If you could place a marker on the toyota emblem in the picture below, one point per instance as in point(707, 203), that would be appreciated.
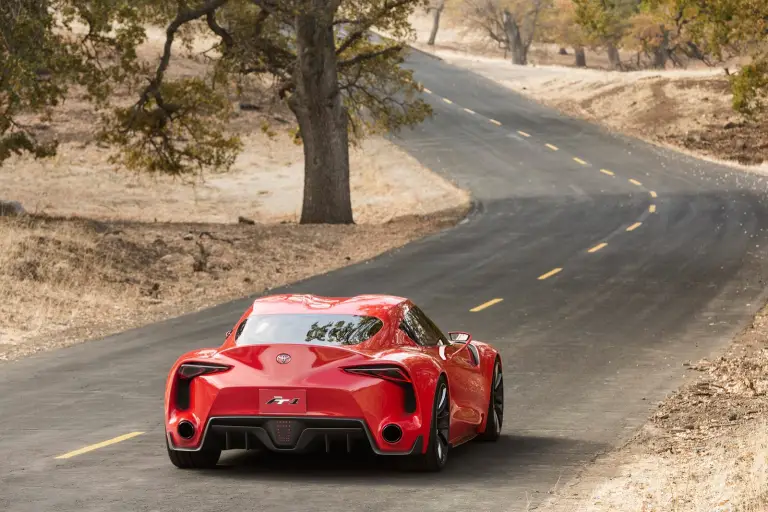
point(283, 358)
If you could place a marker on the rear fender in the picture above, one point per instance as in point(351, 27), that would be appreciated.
point(424, 372)
point(204, 354)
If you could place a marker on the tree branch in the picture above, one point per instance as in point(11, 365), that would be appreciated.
point(217, 29)
point(362, 57)
point(184, 15)
point(366, 24)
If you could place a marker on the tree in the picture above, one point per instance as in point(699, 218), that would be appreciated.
point(718, 29)
point(339, 83)
point(436, 9)
point(559, 26)
point(604, 23)
point(512, 24)
point(38, 64)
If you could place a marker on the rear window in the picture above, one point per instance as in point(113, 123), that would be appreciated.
point(320, 329)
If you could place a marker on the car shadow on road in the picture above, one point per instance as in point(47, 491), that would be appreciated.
point(511, 455)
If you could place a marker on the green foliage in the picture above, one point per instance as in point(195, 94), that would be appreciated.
point(604, 21)
point(185, 133)
point(750, 89)
point(723, 29)
point(48, 46)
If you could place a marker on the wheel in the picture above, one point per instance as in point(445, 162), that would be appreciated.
point(436, 456)
point(204, 459)
point(495, 406)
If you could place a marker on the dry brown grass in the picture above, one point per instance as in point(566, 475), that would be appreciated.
point(69, 280)
point(704, 449)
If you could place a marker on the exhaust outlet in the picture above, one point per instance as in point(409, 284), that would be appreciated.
point(186, 429)
point(392, 433)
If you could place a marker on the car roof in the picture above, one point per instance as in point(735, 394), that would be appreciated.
point(367, 305)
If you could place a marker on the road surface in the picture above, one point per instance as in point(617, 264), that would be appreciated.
point(615, 262)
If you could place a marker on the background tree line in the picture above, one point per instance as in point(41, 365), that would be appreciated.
point(655, 34)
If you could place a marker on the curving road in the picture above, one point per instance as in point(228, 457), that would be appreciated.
point(588, 350)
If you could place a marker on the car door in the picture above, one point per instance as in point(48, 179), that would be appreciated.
point(463, 374)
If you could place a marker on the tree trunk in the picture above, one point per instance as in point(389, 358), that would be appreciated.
point(437, 11)
point(660, 52)
point(562, 51)
point(613, 56)
point(515, 41)
point(581, 57)
point(322, 118)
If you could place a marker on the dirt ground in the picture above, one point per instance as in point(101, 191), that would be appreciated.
point(105, 250)
point(689, 109)
point(704, 449)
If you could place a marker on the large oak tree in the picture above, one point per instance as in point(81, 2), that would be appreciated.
point(339, 81)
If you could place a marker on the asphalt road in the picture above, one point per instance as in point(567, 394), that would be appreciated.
point(587, 351)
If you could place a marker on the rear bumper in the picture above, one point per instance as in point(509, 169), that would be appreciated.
point(295, 434)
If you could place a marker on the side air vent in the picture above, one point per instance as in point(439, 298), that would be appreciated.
point(186, 373)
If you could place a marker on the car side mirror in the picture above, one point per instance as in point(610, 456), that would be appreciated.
point(459, 337)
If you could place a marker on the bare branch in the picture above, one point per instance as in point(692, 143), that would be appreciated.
point(361, 57)
point(364, 24)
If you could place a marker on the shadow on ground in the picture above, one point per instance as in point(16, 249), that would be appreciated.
point(474, 461)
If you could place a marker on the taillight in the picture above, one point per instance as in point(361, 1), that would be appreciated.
point(389, 372)
point(192, 370)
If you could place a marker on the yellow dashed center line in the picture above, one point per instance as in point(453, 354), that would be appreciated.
point(597, 247)
point(634, 226)
point(549, 274)
point(652, 208)
point(523, 133)
point(635, 182)
point(579, 160)
point(99, 445)
point(606, 171)
point(653, 194)
point(485, 305)
point(447, 101)
point(427, 91)
point(495, 122)
point(469, 111)
point(553, 148)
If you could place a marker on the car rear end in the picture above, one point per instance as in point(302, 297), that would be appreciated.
point(295, 397)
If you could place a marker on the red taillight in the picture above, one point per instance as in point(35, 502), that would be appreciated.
point(192, 370)
point(389, 372)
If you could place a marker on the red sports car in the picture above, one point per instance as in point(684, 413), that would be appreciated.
point(302, 372)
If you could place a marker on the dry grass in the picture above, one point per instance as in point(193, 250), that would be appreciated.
point(69, 280)
point(265, 185)
point(704, 449)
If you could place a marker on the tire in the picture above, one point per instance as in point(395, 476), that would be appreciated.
point(438, 445)
point(204, 459)
point(495, 412)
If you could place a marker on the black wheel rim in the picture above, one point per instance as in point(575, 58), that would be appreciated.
point(442, 422)
point(498, 398)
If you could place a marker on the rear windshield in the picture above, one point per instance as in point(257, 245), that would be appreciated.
point(313, 329)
